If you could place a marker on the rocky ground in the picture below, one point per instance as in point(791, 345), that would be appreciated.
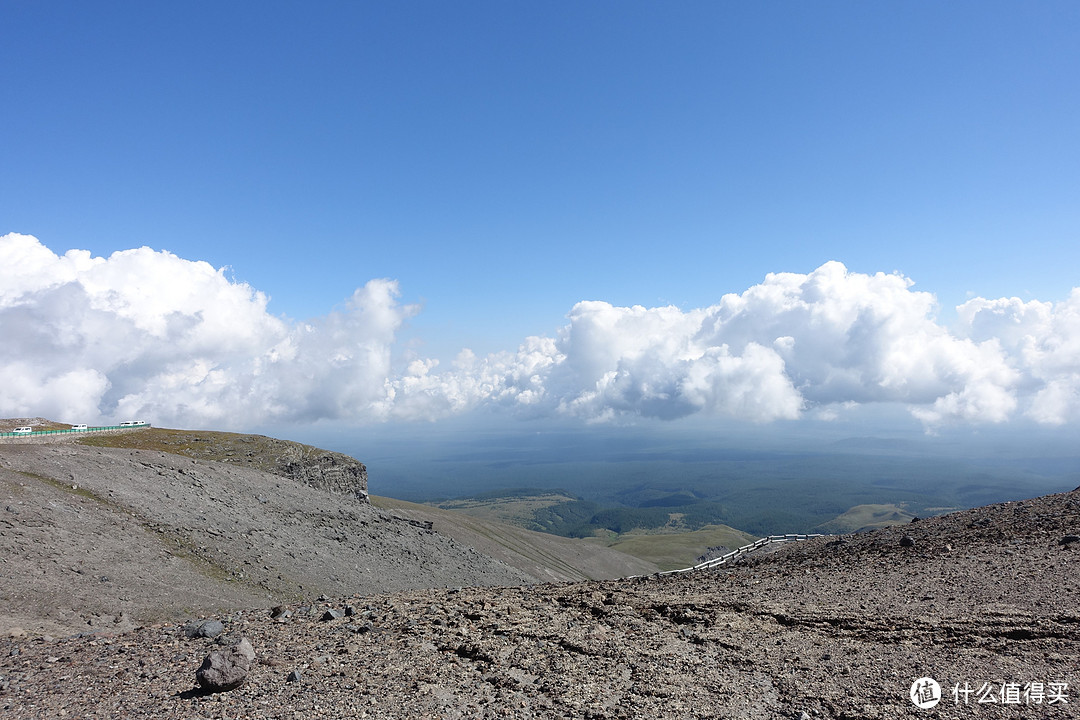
point(95, 538)
point(984, 601)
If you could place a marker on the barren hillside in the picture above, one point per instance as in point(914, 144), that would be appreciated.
point(983, 601)
point(102, 537)
point(108, 538)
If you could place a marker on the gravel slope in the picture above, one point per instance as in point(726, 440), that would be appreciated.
point(98, 537)
point(102, 537)
point(821, 629)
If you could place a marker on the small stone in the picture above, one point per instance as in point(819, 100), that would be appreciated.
point(907, 541)
point(332, 614)
point(1068, 539)
point(204, 629)
point(294, 676)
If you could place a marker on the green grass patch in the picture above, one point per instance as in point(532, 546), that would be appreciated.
point(73, 489)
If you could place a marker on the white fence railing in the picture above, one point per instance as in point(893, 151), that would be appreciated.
point(745, 549)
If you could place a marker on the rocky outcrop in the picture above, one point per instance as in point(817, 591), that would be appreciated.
point(325, 470)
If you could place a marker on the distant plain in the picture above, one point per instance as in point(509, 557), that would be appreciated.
point(635, 480)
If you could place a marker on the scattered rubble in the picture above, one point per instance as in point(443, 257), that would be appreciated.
point(816, 629)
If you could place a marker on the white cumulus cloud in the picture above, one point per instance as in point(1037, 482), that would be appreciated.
point(146, 334)
point(1043, 341)
point(825, 341)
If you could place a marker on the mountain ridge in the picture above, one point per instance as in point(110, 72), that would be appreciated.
point(111, 537)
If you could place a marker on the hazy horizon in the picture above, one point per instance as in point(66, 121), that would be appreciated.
point(754, 480)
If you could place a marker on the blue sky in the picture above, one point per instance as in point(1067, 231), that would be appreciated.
point(501, 163)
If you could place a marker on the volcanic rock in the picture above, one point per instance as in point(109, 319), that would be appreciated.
point(224, 670)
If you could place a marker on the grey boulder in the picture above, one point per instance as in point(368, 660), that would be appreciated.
point(227, 669)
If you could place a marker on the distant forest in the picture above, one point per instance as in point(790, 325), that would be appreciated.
point(759, 493)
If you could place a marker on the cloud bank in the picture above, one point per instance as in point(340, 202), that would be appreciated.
point(146, 334)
